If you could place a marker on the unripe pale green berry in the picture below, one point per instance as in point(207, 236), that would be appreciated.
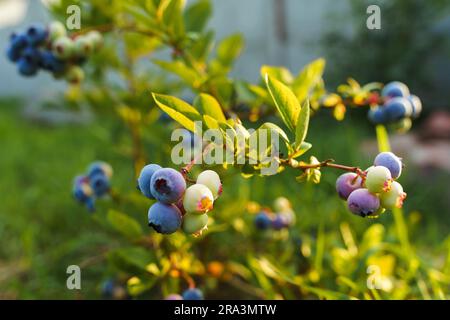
point(56, 30)
point(198, 199)
point(378, 179)
point(83, 46)
point(63, 47)
point(194, 224)
point(282, 204)
point(394, 197)
point(96, 38)
point(74, 74)
point(211, 179)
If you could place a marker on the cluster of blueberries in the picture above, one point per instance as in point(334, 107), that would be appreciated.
point(398, 108)
point(50, 49)
point(188, 294)
point(113, 290)
point(370, 194)
point(283, 218)
point(96, 184)
point(178, 205)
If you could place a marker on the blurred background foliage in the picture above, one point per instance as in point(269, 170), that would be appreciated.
point(325, 255)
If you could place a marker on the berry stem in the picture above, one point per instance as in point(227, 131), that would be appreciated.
point(326, 163)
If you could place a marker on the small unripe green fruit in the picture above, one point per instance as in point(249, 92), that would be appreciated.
point(83, 46)
point(63, 47)
point(211, 179)
point(394, 197)
point(56, 30)
point(282, 204)
point(96, 39)
point(193, 224)
point(198, 199)
point(74, 74)
point(378, 179)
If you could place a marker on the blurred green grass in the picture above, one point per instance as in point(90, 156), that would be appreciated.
point(43, 230)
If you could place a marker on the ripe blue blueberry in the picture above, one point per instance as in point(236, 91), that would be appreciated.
point(347, 183)
point(398, 108)
point(32, 55)
point(167, 185)
point(192, 294)
point(18, 42)
point(164, 218)
point(363, 203)
point(263, 221)
point(12, 54)
point(100, 184)
point(395, 89)
point(144, 179)
point(377, 115)
point(100, 167)
point(26, 68)
point(390, 161)
point(49, 62)
point(416, 105)
point(108, 288)
point(36, 35)
point(279, 222)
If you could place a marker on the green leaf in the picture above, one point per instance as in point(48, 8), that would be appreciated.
point(178, 110)
point(229, 49)
point(196, 16)
point(302, 124)
point(182, 70)
point(124, 224)
point(209, 106)
point(285, 101)
point(131, 259)
point(308, 78)
point(202, 46)
point(280, 73)
point(305, 146)
point(172, 17)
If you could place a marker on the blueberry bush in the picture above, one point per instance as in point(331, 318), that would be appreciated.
point(204, 236)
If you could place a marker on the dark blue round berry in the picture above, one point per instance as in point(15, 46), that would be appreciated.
point(262, 221)
point(18, 42)
point(50, 62)
point(13, 55)
point(108, 289)
point(100, 184)
point(144, 179)
point(32, 55)
point(164, 218)
point(397, 109)
point(36, 35)
point(395, 89)
point(192, 294)
point(27, 68)
point(377, 115)
point(279, 222)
